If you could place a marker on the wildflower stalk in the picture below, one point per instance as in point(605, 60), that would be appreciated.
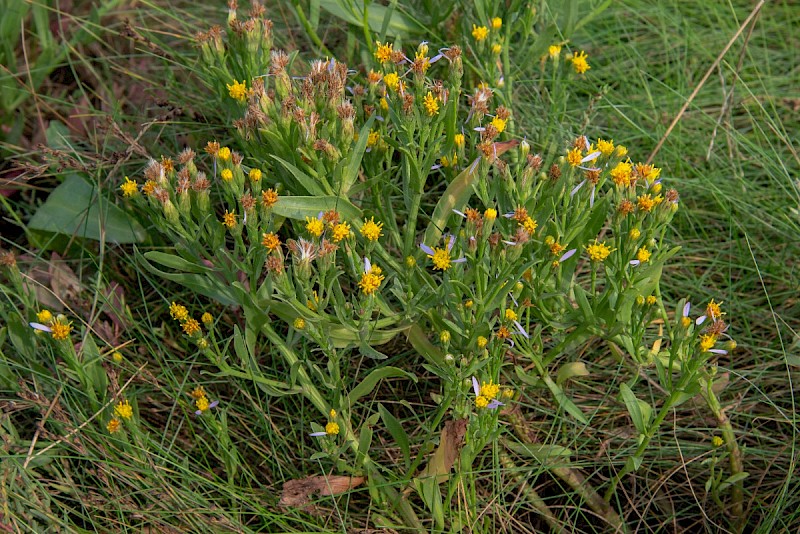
point(734, 453)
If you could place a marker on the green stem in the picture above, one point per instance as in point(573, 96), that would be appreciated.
point(734, 454)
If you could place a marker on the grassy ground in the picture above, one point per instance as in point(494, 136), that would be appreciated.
point(731, 156)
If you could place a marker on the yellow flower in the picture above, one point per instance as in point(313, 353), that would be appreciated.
point(124, 409)
point(490, 214)
point(373, 138)
point(332, 428)
point(299, 323)
point(622, 151)
point(224, 153)
point(554, 51)
point(490, 390)
point(113, 425)
point(60, 330)
point(191, 327)
point(643, 255)
point(271, 241)
point(510, 315)
point(340, 231)
point(383, 52)
point(315, 226)
point(431, 104)
point(499, 124)
point(129, 187)
point(202, 403)
point(481, 401)
point(574, 157)
point(621, 173)
point(198, 392)
point(468, 304)
point(371, 230)
point(459, 140)
point(269, 198)
point(497, 48)
point(717, 441)
point(645, 202)
point(444, 336)
point(482, 341)
point(44, 316)
point(606, 148)
point(371, 278)
point(226, 175)
point(255, 175)
point(207, 318)
point(707, 342)
point(598, 251)
point(384, 104)
point(332, 414)
point(392, 81)
point(229, 219)
point(410, 262)
point(634, 233)
point(650, 300)
point(686, 322)
point(647, 171)
point(116, 356)
point(178, 312)
point(480, 32)
point(579, 62)
point(237, 91)
point(497, 23)
point(714, 311)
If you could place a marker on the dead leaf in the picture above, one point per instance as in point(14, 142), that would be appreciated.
point(298, 492)
point(63, 281)
point(450, 443)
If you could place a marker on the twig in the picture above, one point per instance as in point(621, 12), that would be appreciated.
point(41, 425)
point(705, 79)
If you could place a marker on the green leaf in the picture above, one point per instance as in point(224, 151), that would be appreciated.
point(176, 262)
point(76, 208)
point(733, 479)
point(352, 12)
point(198, 283)
point(455, 197)
point(311, 185)
point(301, 207)
point(93, 367)
point(571, 370)
point(354, 162)
point(565, 402)
point(544, 454)
point(639, 411)
point(371, 380)
point(395, 429)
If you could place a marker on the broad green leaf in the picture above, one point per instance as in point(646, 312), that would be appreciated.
point(93, 367)
point(733, 479)
point(565, 402)
point(354, 162)
point(312, 185)
point(77, 208)
point(544, 454)
point(395, 429)
point(196, 282)
point(176, 262)
point(571, 370)
point(301, 207)
point(455, 197)
point(371, 380)
point(352, 12)
point(639, 411)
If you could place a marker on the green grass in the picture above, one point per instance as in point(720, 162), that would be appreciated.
point(734, 164)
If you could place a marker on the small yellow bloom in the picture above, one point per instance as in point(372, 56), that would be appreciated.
point(113, 425)
point(714, 311)
point(650, 300)
point(686, 322)
point(489, 390)
point(554, 51)
point(497, 48)
point(392, 81)
point(621, 173)
point(124, 409)
point(332, 428)
point(371, 280)
point(643, 255)
point(431, 104)
point(444, 336)
point(226, 175)
point(207, 318)
point(606, 148)
point(468, 304)
point(372, 230)
point(499, 124)
point(340, 231)
point(634, 233)
point(441, 259)
point(459, 140)
point(481, 342)
point(299, 323)
point(60, 330)
point(480, 32)
point(717, 441)
point(481, 401)
point(497, 23)
point(622, 151)
point(373, 138)
point(202, 403)
point(255, 175)
point(579, 62)
point(315, 226)
point(645, 202)
point(707, 342)
point(224, 153)
point(510, 315)
point(271, 241)
point(490, 214)
point(383, 52)
point(574, 157)
point(229, 219)
point(198, 392)
point(410, 262)
point(178, 312)
point(269, 198)
point(598, 251)
point(332, 414)
point(191, 327)
point(129, 187)
point(237, 91)
point(44, 316)
point(384, 104)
